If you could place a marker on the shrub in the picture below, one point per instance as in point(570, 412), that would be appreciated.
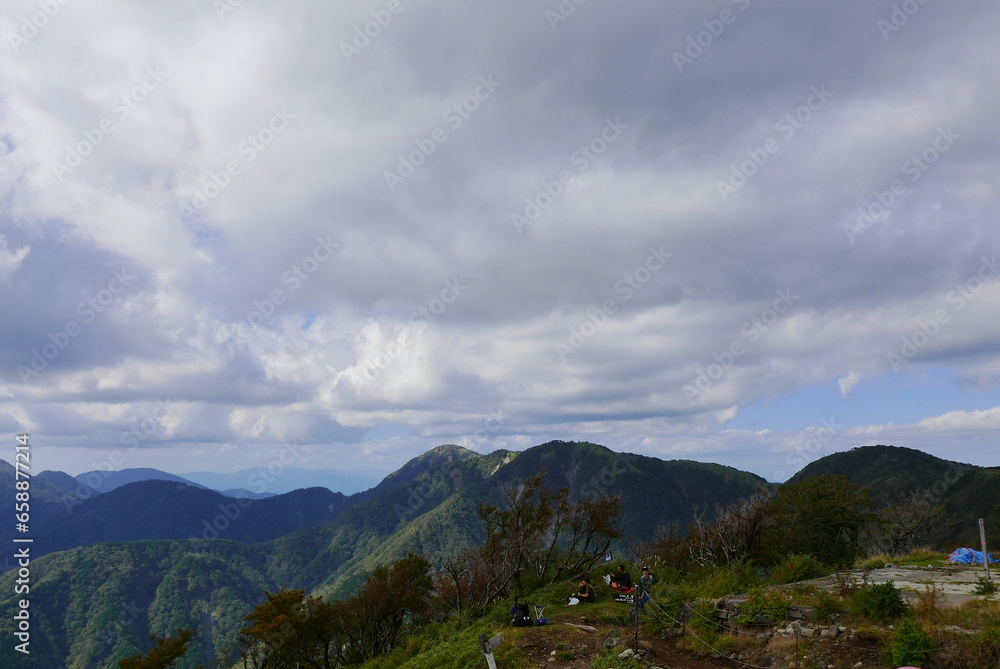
point(703, 620)
point(771, 603)
point(910, 644)
point(827, 605)
point(731, 580)
point(881, 602)
point(795, 567)
point(984, 586)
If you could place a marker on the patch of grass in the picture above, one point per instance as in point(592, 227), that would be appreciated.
point(922, 556)
point(706, 644)
point(730, 580)
point(798, 568)
point(454, 649)
point(928, 606)
point(608, 659)
point(875, 562)
point(918, 557)
point(977, 614)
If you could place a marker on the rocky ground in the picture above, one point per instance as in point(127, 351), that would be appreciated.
point(577, 639)
point(954, 582)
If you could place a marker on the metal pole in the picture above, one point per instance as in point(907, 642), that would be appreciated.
point(986, 556)
point(636, 606)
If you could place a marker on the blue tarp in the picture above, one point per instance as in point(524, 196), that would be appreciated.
point(968, 556)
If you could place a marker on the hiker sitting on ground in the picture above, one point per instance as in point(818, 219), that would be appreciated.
point(586, 592)
point(621, 581)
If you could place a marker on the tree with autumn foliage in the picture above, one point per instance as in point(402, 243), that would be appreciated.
point(164, 653)
point(283, 632)
point(294, 631)
point(392, 599)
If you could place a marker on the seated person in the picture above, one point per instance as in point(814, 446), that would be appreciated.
point(621, 581)
point(586, 592)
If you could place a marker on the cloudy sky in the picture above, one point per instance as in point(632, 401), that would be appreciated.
point(340, 234)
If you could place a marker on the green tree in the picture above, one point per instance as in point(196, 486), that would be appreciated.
point(373, 622)
point(822, 516)
point(278, 633)
point(164, 653)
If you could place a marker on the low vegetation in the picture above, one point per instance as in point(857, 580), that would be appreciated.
point(764, 549)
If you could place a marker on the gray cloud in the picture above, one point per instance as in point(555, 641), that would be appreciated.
point(287, 288)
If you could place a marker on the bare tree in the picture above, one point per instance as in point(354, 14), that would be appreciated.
point(901, 526)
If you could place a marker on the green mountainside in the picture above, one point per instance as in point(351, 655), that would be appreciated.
point(93, 605)
point(429, 506)
point(965, 491)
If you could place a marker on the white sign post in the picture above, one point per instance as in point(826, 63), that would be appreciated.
point(986, 556)
point(488, 646)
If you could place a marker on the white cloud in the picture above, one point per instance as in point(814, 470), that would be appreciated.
point(847, 383)
point(10, 260)
point(258, 126)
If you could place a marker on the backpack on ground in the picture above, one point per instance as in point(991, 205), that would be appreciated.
point(521, 615)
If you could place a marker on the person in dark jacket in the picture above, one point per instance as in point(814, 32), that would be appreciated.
point(621, 581)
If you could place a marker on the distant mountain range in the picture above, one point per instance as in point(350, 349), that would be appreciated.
point(280, 479)
point(253, 483)
point(147, 560)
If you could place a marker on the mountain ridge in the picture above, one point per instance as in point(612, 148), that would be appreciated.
point(428, 506)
